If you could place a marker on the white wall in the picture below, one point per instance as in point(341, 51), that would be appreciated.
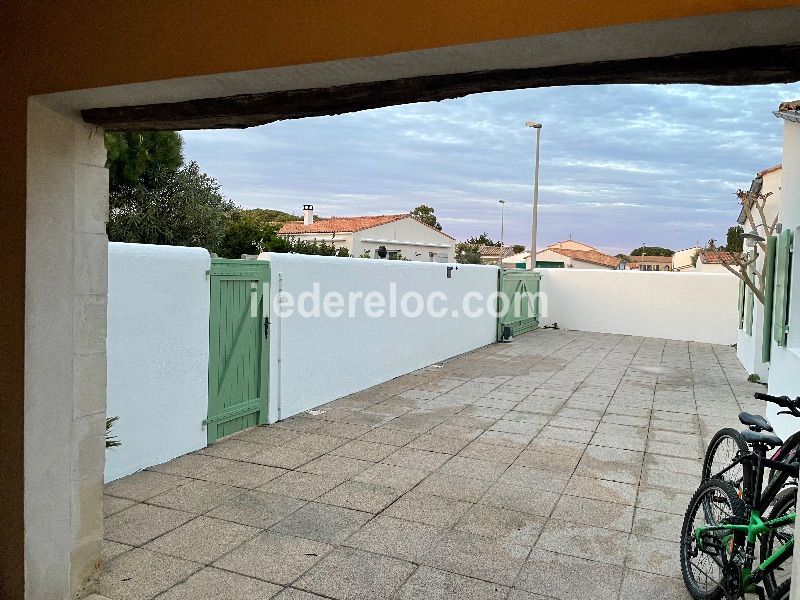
point(784, 368)
point(316, 360)
point(158, 309)
point(678, 306)
point(748, 349)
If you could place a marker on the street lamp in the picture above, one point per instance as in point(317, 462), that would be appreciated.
point(535, 216)
point(502, 223)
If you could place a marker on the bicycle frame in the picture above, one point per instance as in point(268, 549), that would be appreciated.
point(758, 502)
point(752, 530)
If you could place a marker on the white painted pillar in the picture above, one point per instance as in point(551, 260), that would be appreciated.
point(65, 360)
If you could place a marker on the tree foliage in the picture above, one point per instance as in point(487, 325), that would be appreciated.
point(734, 242)
point(482, 240)
point(180, 208)
point(518, 248)
point(425, 214)
point(651, 251)
point(137, 158)
point(467, 253)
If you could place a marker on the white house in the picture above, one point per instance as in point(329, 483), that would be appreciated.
point(778, 338)
point(576, 255)
point(401, 234)
point(682, 259)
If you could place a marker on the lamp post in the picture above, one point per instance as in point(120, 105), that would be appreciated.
point(535, 215)
point(502, 224)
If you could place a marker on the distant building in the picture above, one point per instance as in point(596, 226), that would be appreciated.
point(713, 261)
point(576, 255)
point(682, 259)
point(654, 263)
point(401, 234)
point(490, 255)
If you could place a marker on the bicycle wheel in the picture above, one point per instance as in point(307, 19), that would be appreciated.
point(784, 503)
point(782, 593)
point(726, 446)
point(716, 502)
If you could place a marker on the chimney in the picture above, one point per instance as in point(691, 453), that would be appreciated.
point(308, 214)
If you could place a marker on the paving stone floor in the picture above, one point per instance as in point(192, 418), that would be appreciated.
point(557, 466)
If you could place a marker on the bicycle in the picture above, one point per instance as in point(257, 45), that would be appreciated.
point(728, 443)
point(723, 523)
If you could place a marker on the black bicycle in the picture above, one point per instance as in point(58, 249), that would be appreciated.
point(723, 521)
point(728, 444)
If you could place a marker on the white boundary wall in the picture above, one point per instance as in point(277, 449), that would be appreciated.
point(316, 360)
point(158, 307)
point(699, 307)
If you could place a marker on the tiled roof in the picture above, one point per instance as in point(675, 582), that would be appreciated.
point(715, 257)
point(495, 251)
point(559, 244)
point(591, 256)
point(770, 170)
point(792, 105)
point(347, 224)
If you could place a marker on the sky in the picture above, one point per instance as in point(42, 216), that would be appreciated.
point(621, 165)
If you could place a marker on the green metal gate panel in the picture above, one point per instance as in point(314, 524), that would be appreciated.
point(239, 352)
point(750, 308)
point(522, 312)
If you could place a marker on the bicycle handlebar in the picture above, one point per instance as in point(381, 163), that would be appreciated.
point(793, 406)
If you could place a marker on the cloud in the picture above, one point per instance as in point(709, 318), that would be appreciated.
point(620, 164)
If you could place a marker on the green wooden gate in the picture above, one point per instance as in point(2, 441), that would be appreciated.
point(522, 312)
point(239, 351)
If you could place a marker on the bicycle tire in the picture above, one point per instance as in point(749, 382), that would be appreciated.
point(733, 440)
point(722, 490)
point(784, 502)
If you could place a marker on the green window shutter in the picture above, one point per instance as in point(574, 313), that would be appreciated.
point(741, 304)
point(780, 306)
point(769, 295)
point(750, 304)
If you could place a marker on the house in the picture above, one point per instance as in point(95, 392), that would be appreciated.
point(576, 255)
point(714, 261)
point(654, 263)
point(490, 255)
point(682, 259)
point(402, 235)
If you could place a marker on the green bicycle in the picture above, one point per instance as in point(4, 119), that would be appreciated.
point(723, 525)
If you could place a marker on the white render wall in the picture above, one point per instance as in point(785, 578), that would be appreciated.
point(700, 307)
point(316, 360)
point(158, 310)
point(784, 367)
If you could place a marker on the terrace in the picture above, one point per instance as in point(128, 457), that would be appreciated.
point(557, 466)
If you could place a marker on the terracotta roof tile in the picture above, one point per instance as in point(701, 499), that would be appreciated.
point(591, 256)
point(495, 251)
point(770, 170)
point(791, 105)
point(715, 257)
point(347, 224)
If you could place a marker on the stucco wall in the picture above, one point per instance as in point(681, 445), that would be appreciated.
point(678, 306)
point(158, 307)
point(784, 368)
point(316, 360)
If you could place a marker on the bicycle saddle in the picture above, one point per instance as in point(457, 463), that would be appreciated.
point(760, 437)
point(754, 421)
